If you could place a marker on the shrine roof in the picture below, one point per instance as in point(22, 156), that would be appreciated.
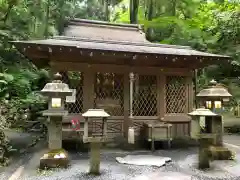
point(119, 46)
point(90, 35)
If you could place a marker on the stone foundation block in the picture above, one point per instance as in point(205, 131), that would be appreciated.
point(58, 158)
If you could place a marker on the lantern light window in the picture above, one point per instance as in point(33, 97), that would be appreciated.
point(209, 104)
point(56, 102)
point(217, 104)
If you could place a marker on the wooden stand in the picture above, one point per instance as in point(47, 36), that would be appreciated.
point(158, 131)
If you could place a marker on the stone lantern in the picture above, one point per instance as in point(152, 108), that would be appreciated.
point(210, 141)
point(214, 97)
point(56, 91)
point(196, 116)
point(95, 139)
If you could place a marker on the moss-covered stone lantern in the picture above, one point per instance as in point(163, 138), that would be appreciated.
point(56, 91)
point(196, 116)
point(95, 138)
point(214, 97)
point(210, 140)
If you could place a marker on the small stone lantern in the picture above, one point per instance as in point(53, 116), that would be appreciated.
point(94, 139)
point(56, 91)
point(214, 96)
point(210, 141)
point(196, 116)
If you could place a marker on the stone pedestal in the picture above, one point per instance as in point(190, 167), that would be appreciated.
point(204, 161)
point(218, 129)
point(55, 133)
point(203, 157)
point(95, 158)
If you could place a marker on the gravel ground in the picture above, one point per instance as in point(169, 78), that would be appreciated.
point(184, 162)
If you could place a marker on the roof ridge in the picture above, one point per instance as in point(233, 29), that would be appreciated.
point(97, 22)
point(149, 44)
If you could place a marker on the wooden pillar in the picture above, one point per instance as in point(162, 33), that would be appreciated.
point(126, 104)
point(88, 89)
point(161, 81)
point(186, 94)
point(189, 100)
point(189, 84)
point(131, 77)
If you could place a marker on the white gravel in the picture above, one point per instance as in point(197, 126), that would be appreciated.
point(184, 162)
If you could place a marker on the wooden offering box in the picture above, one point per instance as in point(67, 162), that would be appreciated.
point(158, 131)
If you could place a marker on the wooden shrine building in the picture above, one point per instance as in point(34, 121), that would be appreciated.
point(114, 67)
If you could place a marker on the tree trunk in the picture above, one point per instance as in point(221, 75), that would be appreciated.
point(60, 21)
point(134, 11)
point(106, 10)
point(149, 16)
point(47, 19)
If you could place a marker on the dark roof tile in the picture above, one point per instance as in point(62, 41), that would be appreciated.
point(105, 31)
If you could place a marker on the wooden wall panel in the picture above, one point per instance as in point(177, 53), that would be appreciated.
point(180, 130)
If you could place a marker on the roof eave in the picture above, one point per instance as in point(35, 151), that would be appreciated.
point(39, 43)
point(23, 46)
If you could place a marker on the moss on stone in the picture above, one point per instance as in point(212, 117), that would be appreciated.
point(221, 153)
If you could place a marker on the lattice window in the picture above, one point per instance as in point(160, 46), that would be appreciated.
point(145, 95)
point(175, 94)
point(109, 93)
point(74, 81)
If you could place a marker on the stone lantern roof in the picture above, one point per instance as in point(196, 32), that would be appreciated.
point(56, 87)
point(202, 112)
point(95, 113)
point(214, 90)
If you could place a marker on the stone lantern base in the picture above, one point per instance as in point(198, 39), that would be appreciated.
point(58, 158)
point(221, 153)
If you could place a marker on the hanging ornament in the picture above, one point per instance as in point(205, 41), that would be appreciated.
point(75, 124)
